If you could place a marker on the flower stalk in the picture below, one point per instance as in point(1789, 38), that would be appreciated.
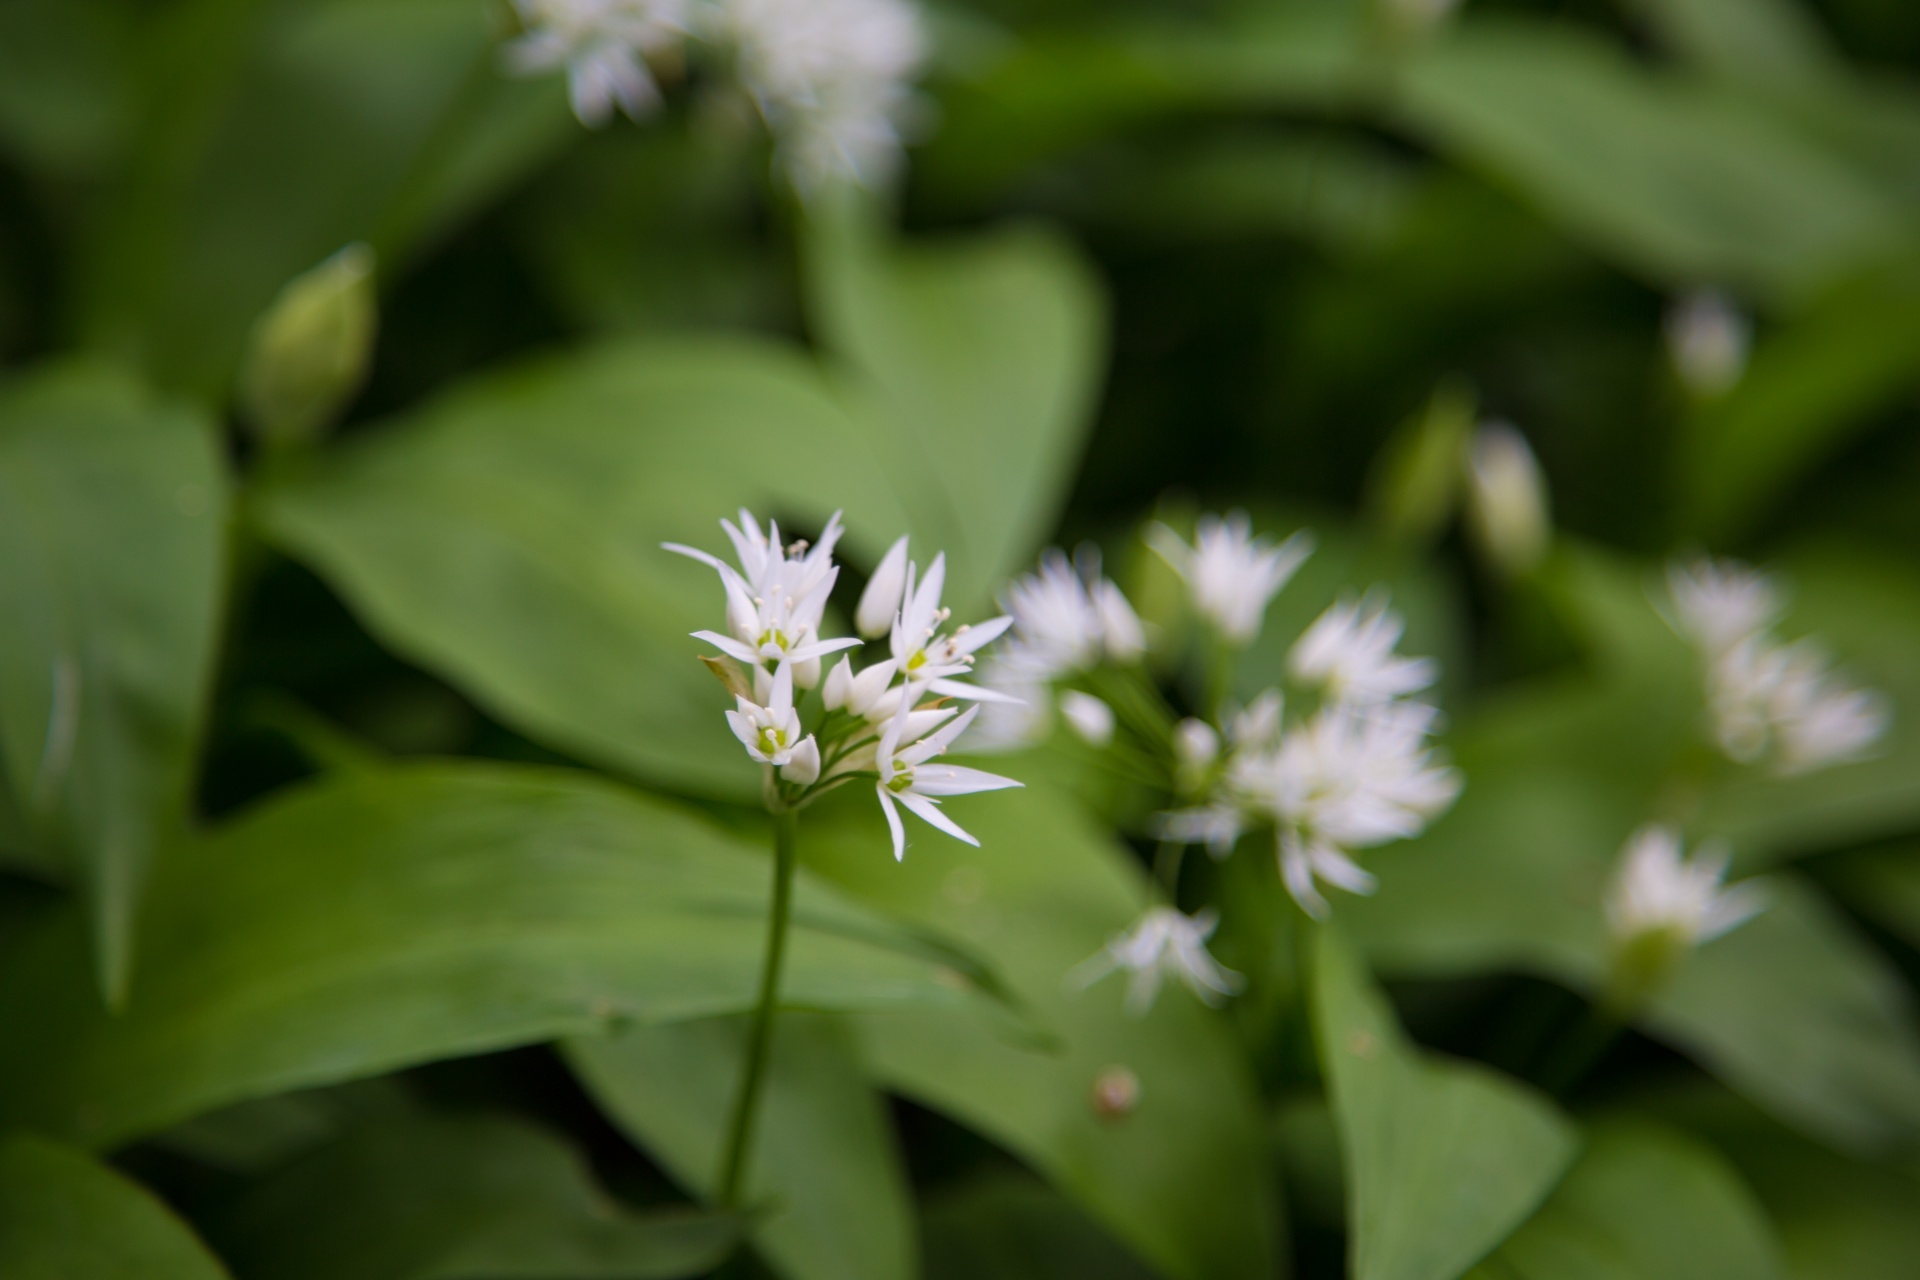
point(746, 1100)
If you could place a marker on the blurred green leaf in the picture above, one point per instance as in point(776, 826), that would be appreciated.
point(1673, 176)
point(823, 1163)
point(112, 548)
point(382, 919)
point(508, 536)
point(1770, 44)
point(1013, 1227)
point(64, 1217)
point(275, 133)
point(468, 1198)
point(1185, 1176)
point(65, 83)
point(1642, 1203)
point(1443, 1159)
point(984, 357)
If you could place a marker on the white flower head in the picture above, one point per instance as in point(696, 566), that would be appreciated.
point(1350, 778)
point(907, 776)
point(1233, 575)
point(1658, 891)
point(603, 44)
point(928, 657)
point(1064, 622)
point(1349, 651)
point(1507, 498)
point(1719, 603)
point(1089, 717)
point(1708, 338)
point(1781, 700)
point(771, 732)
point(1160, 944)
point(833, 78)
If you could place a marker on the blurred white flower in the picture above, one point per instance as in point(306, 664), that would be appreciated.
point(1162, 943)
point(1657, 891)
point(1349, 651)
point(832, 78)
point(1350, 778)
point(1218, 826)
point(1233, 575)
point(603, 44)
point(1196, 746)
point(1507, 499)
point(1766, 697)
point(1719, 603)
point(1256, 727)
point(1063, 623)
point(776, 599)
point(1088, 717)
point(906, 776)
point(1708, 338)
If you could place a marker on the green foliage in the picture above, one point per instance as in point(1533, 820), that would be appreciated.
point(61, 1215)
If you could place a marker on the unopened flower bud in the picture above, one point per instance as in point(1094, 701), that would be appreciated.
point(1088, 717)
point(309, 352)
point(839, 686)
point(1507, 500)
point(806, 673)
point(1708, 338)
point(804, 768)
point(1195, 747)
point(1416, 480)
point(885, 589)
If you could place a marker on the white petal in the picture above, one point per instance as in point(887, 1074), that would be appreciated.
point(838, 690)
point(929, 811)
point(957, 780)
point(729, 646)
point(804, 766)
point(893, 822)
point(881, 600)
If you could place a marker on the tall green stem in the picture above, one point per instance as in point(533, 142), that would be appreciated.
point(746, 1102)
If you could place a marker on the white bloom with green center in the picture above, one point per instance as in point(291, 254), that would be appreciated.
point(1656, 889)
point(1232, 575)
point(1162, 944)
point(603, 44)
point(1349, 652)
point(927, 657)
point(772, 734)
point(907, 775)
point(777, 598)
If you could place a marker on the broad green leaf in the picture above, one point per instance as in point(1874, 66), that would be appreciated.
point(1770, 44)
point(456, 1198)
point(823, 1161)
point(508, 536)
point(1185, 1176)
point(112, 527)
point(275, 133)
point(1443, 1159)
point(1643, 1203)
point(1014, 1227)
point(65, 1217)
point(1676, 178)
point(381, 919)
point(64, 83)
point(983, 356)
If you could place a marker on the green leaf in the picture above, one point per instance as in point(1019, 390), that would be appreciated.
point(468, 1198)
point(984, 357)
point(1676, 178)
point(823, 1161)
point(382, 919)
point(1443, 1159)
point(1643, 1203)
point(1185, 1177)
point(1014, 1227)
point(1770, 44)
point(274, 134)
point(64, 1217)
point(509, 535)
point(112, 526)
point(64, 91)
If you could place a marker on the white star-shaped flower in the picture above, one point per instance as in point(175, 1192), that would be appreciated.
point(1233, 575)
point(1657, 890)
point(1162, 943)
point(908, 776)
point(1349, 651)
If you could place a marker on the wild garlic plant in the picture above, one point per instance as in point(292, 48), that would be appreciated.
point(888, 723)
point(1339, 762)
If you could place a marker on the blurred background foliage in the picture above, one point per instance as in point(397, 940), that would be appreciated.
point(400, 989)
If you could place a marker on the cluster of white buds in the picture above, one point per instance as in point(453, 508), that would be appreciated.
point(1768, 701)
point(888, 721)
point(832, 78)
point(1661, 905)
point(1066, 620)
point(1162, 943)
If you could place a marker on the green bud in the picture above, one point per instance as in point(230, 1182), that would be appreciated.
point(308, 353)
point(1417, 478)
point(1507, 501)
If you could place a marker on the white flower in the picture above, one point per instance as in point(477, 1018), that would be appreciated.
point(1507, 499)
point(1196, 745)
point(1708, 338)
point(771, 733)
point(603, 45)
point(1764, 697)
point(1350, 778)
point(776, 600)
point(1719, 603)
point(1349, 650)
point(1256, 727)
point(861, 695)
point(832, 78)
point(925, 656)
point(1121, 633)
point(906, 776)
point(1063, 622)
point(1162, 943)
point(1232, 574)
point(1656, 891)
point(1218, 826)
point(1088, 717)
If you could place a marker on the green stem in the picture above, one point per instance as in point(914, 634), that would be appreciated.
point(1583, 1048)
point(1166, 865)
point(746, 1102)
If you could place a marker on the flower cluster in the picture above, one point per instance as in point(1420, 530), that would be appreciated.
point(1768, 701)
point(891, 720)
point(832, 78)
